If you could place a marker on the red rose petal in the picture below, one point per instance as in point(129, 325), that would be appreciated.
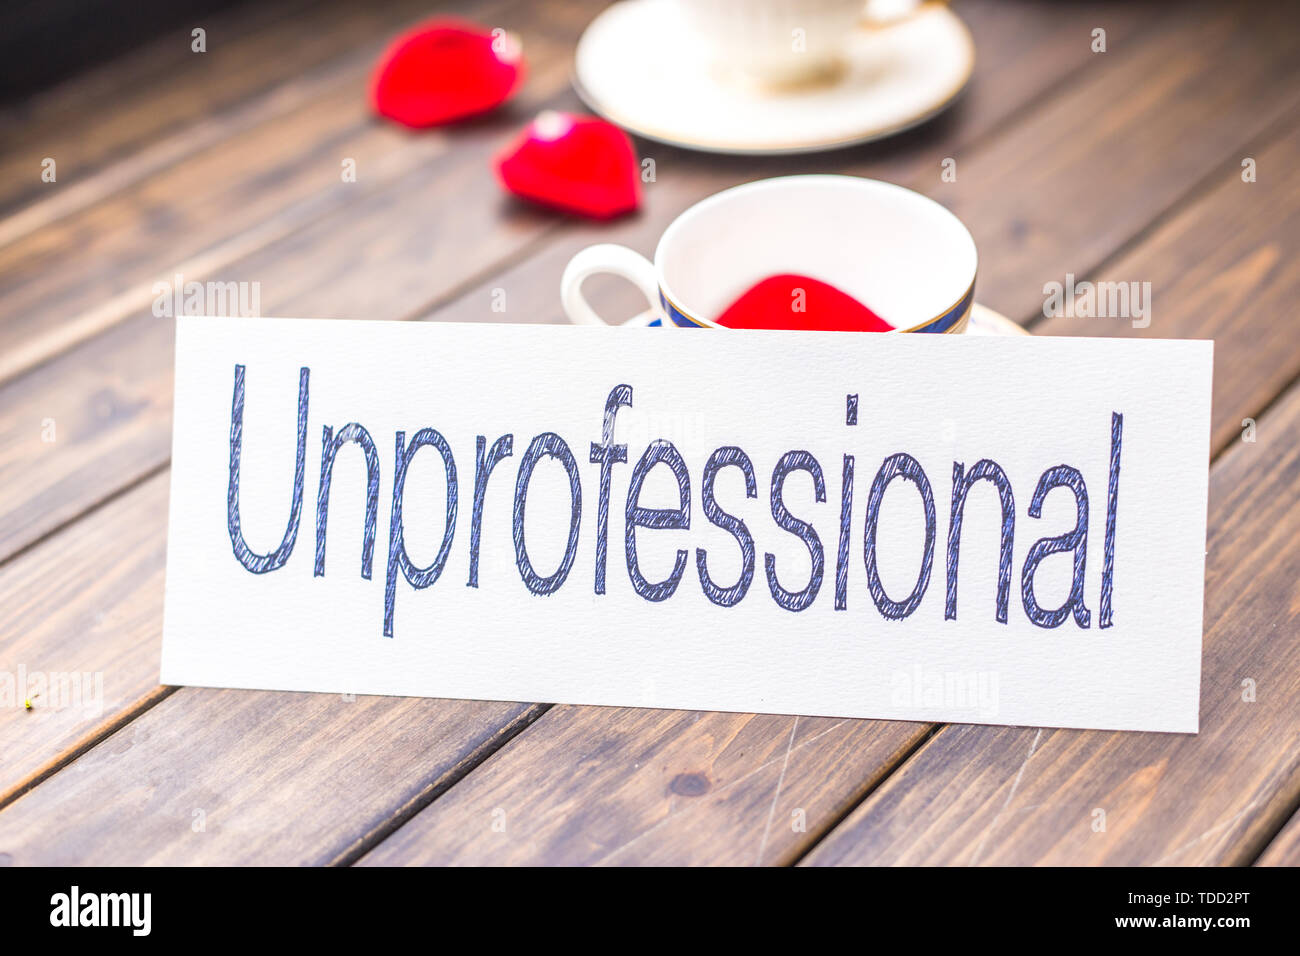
point(579, 164)
point(445, 70)
point(773, 304)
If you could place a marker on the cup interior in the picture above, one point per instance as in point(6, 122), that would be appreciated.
point(904, 256)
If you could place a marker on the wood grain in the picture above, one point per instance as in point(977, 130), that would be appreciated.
point(1132, 135)
point(119, 382)
point(436, 830)
point(1284, 850)
point(86, 602)
point(213, 777)
point(1224, 268)
point(122, 121)
point(108, 399)
point(638, 787)
point(224, 203)
point(107, 406)
point(192, 219)
point(1014, 795)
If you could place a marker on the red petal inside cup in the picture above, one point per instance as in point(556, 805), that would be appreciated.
point(579, 164)
point(800, 302)
point(445, 70)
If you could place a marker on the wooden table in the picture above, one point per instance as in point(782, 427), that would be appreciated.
point(1120, 165)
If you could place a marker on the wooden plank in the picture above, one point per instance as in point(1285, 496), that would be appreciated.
point(86, 627)
point(69, 611)
point(318, 273)
point(207, 779)
point(653, 787)
point(79, 428)
point(193, 218)
point(1123, 144)
point(224, 203)
point(115, 389)
point(1226, 262)
point(74, 432)
point(1014, 795)
point(139, 113)
point(1285, 848)
point(446, 831)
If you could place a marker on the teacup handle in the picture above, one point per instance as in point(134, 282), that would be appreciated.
point(894, 13)
point(605, 258)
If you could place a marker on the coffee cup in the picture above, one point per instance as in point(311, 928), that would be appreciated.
point(903, 255)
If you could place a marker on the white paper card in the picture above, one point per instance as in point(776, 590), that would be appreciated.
point(741, 572)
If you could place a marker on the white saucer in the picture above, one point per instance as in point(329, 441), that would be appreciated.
point(638, 66)
point(982, 321)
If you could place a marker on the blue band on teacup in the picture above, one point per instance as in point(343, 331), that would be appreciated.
point(676, 315)
point(951, 319)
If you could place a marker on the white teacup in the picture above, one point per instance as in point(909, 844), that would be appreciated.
point(904, 256)
point(784, 42)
